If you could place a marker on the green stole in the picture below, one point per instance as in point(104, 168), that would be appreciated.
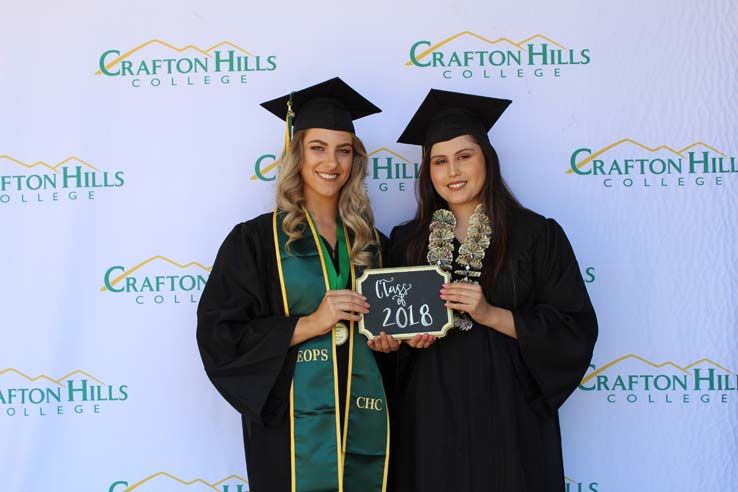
point(320, 461)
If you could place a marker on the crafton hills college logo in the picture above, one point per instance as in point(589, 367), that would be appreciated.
point(633, 379)
point(468, 55)
point(158, 280)
point(627, 163)
point(388, 170)
point(73, 394)
point(39, 182)
point(157, 63)
point(166, 482)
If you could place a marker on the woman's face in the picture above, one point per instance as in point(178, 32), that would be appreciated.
point(327, 156)
point(458, 170)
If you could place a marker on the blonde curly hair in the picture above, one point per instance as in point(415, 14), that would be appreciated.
point(353, 204)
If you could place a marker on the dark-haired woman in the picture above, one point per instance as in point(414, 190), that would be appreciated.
point(477, 409)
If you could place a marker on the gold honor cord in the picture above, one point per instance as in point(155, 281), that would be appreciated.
point(351, 357)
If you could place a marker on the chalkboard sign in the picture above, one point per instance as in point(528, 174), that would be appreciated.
point(404, 302)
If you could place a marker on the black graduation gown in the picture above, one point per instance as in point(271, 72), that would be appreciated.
point(477, 411)
point(244, 340)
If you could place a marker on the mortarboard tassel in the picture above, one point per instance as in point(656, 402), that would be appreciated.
point(288, 125)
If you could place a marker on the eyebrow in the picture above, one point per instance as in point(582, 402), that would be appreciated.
point(347, 144)
point(457, 152)
point(318, 142)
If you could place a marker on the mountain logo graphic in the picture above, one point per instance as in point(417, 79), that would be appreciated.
point(520, 45)
point(166, 481)
point(578, 165)
point(640, 379)
point(43, 395)
point(468, 51)
point(208, 52)
point(386, 164)
point(71, 178)
point(155, 61)
point(50, 168)
point(157, 280)
point(112, 283)
point(683, 369)
point(627, 162)
point(44, 377)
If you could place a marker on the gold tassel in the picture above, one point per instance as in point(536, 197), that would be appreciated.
point(288, 125)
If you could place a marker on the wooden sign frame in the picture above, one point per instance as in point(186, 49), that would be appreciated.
point(438, 328)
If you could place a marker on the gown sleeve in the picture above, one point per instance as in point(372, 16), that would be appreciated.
point(558, 329)
point(244, 343)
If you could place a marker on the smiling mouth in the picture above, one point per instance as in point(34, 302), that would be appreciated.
point(327, 176)
point(456, 186)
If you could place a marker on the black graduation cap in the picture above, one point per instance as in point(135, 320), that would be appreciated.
point(444, 115)
point(332, 105)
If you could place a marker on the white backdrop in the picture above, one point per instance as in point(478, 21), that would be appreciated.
point(117, 187)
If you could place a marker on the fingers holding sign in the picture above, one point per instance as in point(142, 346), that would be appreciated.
point(336, 305)
point(384, 343)
point(341, 304)
point(422, 341)
point(387, 343)
point(467, 297)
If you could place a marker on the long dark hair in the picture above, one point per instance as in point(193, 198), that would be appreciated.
point(498, 201)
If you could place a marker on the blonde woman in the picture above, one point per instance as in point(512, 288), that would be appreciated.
point(276, 319)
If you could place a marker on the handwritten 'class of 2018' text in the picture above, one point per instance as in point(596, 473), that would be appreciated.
point(404, 316)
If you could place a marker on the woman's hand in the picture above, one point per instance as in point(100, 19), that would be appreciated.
point(338, 305)
point(335, 306)
point(384, 343)
point(422, 341)
point(468, 297)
